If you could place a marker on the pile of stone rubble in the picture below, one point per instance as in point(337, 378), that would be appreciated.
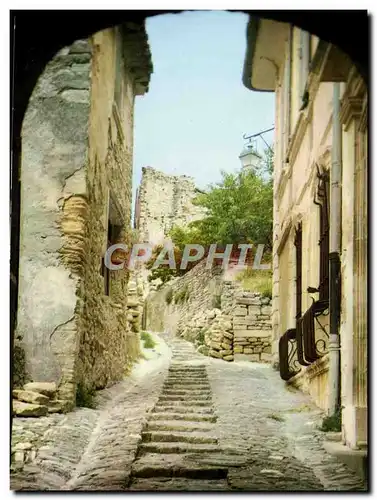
point(38, 399)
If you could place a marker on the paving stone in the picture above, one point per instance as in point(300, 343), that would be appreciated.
point(200, 425)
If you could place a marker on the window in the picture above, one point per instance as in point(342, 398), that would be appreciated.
point(114, 231)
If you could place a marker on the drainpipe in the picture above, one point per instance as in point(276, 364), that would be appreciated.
point(335, 242)
point(287, 97)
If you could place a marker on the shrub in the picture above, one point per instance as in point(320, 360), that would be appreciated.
point(149, 343)
point(332, 423)
point(201, 335)
point(182, 295)
point(85, 396)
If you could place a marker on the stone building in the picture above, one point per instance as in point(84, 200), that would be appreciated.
point(164, 201)
point(320, 216)
point(76, 171)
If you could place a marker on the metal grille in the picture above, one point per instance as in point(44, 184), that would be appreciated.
point(299, 343)
point(298, 245)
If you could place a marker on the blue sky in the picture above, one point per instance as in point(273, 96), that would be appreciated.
point(196, 111)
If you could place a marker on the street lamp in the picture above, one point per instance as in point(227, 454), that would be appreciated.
point(249, 157)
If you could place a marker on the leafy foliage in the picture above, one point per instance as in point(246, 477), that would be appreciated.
point(332, 423)
point(239, 209)
point(149, 343)
point(182, 295)
point(85, 397)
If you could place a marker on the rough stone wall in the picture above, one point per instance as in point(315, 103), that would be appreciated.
point(221, 319)
point(193, 292)
point(163, 201)
point(108, 344)
point(53, 201)
point(76, 169)
point(135, 302)
point(251, 320)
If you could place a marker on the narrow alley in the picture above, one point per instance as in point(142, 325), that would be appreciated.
point(183, 421)
point(189, 253)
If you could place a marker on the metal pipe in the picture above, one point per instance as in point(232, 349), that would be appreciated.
point(287, 96)
point(334, 259)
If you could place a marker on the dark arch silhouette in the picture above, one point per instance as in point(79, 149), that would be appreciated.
point(36, 36)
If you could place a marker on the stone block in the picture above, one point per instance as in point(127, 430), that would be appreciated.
point(267, 349)
point(238, 349)
point(22, 446)
point(254, 310)
point(249, 333)
point(240, 311)
point(238, 328)
point(45, 388)
point(214, 354)
point(132, 302)
point(247, 301)
point(226, 352)
point(59, 406)
point(226, 346)
point(245, 320)
point(21, 409)
point(248, 350)
point(267, 310)
point(228, 358)
point(30, 397)
point(228, 335)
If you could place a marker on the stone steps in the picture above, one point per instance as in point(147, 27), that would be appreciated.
point(177, 437)
point(184, 392)
point(186, 397)
point(177, 447)
point(179, 434)
point(167, 408)
point(176, 385)
point(173, 425)
point(154, 465)
point(191, 417)
point(179, 484)
point(188, 401)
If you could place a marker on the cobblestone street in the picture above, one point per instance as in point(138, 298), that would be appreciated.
point(183, 421)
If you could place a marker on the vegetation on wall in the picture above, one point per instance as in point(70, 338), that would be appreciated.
point(256, 280)
point(84, 396)
point(149, 343)
point(182, 295)
point(332, 423)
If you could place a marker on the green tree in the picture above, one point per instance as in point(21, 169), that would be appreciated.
point(239, 208)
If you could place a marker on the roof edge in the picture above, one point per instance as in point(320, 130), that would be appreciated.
point(251, 39)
